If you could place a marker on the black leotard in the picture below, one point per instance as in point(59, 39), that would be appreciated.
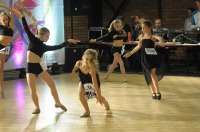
point(37, 46)
point(6, 31)
point(86, 78)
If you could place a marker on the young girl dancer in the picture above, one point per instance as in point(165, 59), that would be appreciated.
point(89, 85)
point(35, 66)
point(150, 60)
point(6, 34)
point(117, 35)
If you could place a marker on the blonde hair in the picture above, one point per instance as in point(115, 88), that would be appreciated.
point(94, 60)
point(141, 20)
point(2, 14)
point(42, 31)
point(111, 28)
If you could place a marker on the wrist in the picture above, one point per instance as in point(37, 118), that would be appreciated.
point(131, 52)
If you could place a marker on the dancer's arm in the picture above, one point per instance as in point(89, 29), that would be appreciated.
point(160, 40)
point(25, 25)
point(103, 38)
point(96, 87)
point(56, 47)
point(11, 22)
point(122, 35)
point(76, 66)
point(135, 49)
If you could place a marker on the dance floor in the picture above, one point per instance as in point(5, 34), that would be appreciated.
point(132, 109)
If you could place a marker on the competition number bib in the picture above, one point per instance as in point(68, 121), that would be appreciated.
point(89, 91)
point(150, 51)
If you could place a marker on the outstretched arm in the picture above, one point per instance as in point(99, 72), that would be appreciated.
point(160, 40)
point(25, 25)
point(11, 23)
point(103, 38)
point(122, 35)
point(135, 49)
point(56, 47)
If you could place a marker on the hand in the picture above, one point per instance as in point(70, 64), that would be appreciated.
point(163, 45)
point(127, 55)
point(20, 9)
point(115, 36)
point(74, 41)
point(72, 74)
point(93, 40)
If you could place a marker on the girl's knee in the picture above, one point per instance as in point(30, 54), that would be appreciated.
point(33, 93)
point(82, 98)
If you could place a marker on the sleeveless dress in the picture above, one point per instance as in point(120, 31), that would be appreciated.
point(151, 59)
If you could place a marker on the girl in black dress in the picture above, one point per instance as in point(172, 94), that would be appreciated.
point(89, 85)
point(152, 65)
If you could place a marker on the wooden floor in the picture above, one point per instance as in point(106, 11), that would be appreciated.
point(132, 109)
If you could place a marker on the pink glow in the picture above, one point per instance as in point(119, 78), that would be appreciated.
point(19, 96)
point(18, 55)
point(30, 3)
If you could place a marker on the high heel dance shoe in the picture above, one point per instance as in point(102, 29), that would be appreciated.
point(158, 96)
point(154, 96)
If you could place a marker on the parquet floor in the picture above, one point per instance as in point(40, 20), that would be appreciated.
point(132, 109)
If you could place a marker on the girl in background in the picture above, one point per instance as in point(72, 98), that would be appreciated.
point(150, 60)
point(117, 34)
point(6, 34)
point(89, 85)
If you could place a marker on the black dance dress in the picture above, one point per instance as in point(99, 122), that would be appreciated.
point(86, 80)
point(151, 59)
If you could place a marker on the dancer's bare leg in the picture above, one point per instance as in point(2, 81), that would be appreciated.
point(121, 63)
point(154, 80)
point(48, 79)
point(112, 68)
point(155, 83)
point(31, 80)
point(81, 92)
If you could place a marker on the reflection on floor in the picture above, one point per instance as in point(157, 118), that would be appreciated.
point(132, 109)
